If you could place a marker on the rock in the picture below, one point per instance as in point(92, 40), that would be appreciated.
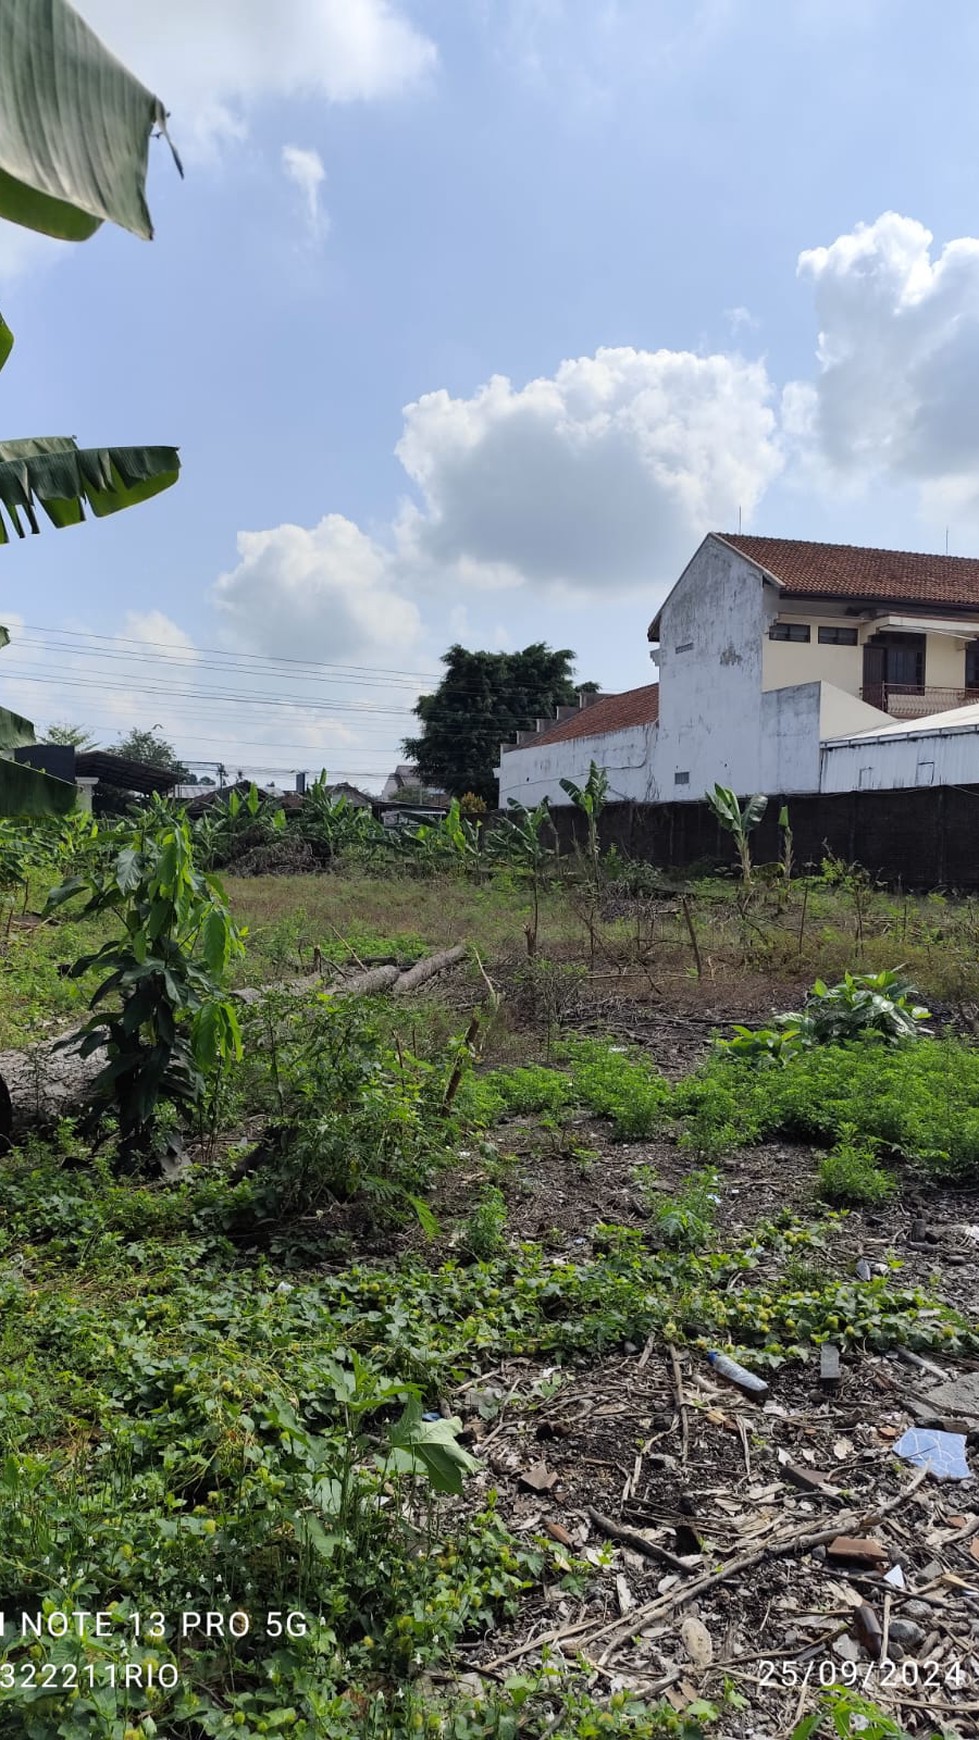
point(959, 1396)
point(697, 1641)
point(919, 1610)
point(905, 1631)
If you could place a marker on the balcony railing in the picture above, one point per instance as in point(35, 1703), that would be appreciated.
point(904, 702)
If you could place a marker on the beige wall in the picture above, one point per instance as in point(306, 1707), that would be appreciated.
point(786, 662)
point(841, 714)
point(944, 662)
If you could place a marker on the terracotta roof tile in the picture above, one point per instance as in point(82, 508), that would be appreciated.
point(611, 713)
point(847, 571)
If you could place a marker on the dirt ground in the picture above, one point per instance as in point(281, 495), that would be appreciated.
point(727, 1574)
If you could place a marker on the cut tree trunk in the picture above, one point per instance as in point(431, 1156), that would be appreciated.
point(51, 1081)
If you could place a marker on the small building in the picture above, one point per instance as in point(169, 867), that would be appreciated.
point(773, 654)
point(405, 785)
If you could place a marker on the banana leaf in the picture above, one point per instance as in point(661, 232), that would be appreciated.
point(52, 472)
point(24, 791)
point(74, 126)
point(15, 730)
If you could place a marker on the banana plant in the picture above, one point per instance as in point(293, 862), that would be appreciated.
point(75, 126)
point(53, 473)
point(738, 822)
point(591, 799)
point(518, 842)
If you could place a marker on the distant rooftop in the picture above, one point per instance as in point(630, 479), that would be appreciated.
point(609, 713)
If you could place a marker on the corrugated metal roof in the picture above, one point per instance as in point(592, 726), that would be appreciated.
point(610, 713)
point(119, 771)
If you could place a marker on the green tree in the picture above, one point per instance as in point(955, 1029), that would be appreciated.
point(483, 699)
point(73, 736)
point(155, 751)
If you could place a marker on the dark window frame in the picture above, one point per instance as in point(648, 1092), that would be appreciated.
point(798, 633)
point(972, 665)
point(837, 635)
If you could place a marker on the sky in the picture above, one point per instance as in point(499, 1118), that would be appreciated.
point(470, 319)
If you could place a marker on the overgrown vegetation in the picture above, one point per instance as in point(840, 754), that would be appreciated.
point(242, 1391)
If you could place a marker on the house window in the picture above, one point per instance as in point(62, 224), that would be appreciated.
point(837, 637)
point(681, 779)
point(789, 631)
point(972, 665)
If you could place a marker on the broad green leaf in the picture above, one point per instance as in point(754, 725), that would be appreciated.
point(6, 341)
point(74, 126)
point(54, 473)
point(15, 731)
point(433, 1444)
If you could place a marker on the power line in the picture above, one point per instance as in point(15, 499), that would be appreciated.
point(361, 709)
point(222, 653)
point(202, 664)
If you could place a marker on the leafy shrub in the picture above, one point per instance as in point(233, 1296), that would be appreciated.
point(353, 1115)
point(686, 1222)
point(919, 1103)
point(878, 1006)
point(849, 1173)
point(622, 1085)
point(162, 1013)
point(484, 1233)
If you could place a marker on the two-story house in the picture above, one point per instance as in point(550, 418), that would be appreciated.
point(773, 655)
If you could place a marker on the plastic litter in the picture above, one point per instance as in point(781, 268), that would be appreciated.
point(863, 1270)
point(943, 1453)
point(736, 1374)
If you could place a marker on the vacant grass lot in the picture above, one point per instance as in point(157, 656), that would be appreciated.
point(232, 1393)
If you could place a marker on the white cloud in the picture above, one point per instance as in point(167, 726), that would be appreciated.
point(22, 251)
point(741, 320)
point(601, 478)
point(898, 355)
point(212, 61)
point(305, 168)
point(328, 592)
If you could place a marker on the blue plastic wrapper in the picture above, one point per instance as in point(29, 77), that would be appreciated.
point(941, 1452)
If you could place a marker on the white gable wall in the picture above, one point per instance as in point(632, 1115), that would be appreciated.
point(712, 634)
point(533, 773)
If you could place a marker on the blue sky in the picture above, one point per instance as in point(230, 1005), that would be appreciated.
point(470, 318)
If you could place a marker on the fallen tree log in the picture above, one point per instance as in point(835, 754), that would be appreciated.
point(50, 1081)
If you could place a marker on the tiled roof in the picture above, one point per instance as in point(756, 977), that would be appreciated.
point(611, 713)
point(848, 571)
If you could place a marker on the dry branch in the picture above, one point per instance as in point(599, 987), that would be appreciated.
point(50, 1081)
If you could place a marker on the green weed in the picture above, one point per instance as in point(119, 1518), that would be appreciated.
point(849, 1173)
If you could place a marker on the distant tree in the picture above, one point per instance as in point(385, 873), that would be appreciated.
point(73, 736)
point(155, 751)
point(483, 699)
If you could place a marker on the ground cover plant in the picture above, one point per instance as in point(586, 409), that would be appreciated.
point(270, 1385)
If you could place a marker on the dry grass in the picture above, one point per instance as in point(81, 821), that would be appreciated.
point(639, 948)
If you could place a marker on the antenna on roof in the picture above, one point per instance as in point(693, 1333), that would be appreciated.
point(739, 519)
